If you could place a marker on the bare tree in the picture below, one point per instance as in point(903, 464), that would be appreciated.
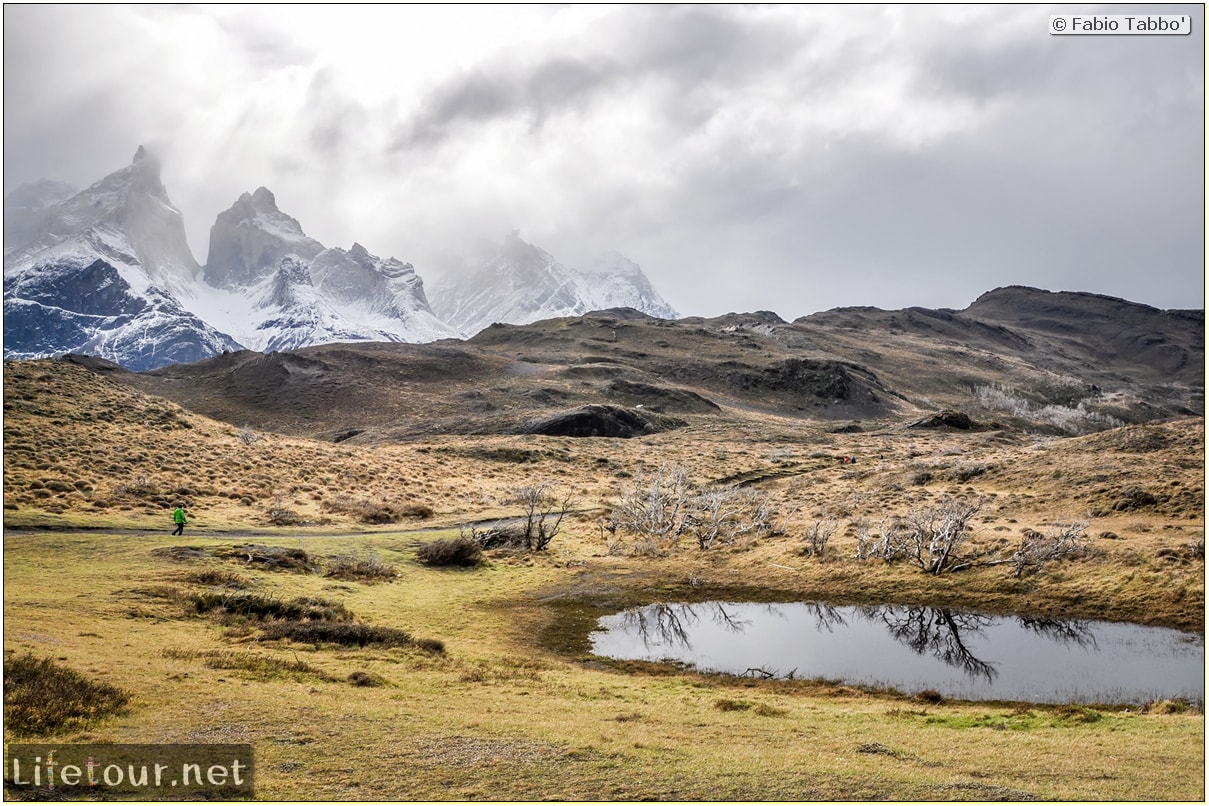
point(725, 514)
point(544, 511)
point(932, 538)
point(657, 508)
point(716, 515)
point(817, 537)
point(667, 506)
point(878, 546)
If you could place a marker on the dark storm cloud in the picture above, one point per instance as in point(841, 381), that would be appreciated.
point(503, 92)
point(690, 56)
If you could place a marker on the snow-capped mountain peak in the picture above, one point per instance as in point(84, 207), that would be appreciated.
point(132, 202)
point(249, 239)
point(273, 287)
point(107, 271)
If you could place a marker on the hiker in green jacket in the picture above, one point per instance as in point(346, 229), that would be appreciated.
point(178, 518)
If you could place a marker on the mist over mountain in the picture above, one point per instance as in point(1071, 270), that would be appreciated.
point(25, 210)
point(520, 283)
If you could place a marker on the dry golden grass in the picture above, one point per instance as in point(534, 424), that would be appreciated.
point(515, 707)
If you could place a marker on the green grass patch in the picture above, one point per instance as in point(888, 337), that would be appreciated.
point(252, 666)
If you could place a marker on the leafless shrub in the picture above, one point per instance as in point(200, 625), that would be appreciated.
point(817, 536)
point(1196, 548)
point(878, 546)
point(1076, 419)
point(247, 436)
point(544, 511)
point(726, 514)
point(280, 514)
point(1036, 549)
point(661, 509)
point(655, 507)
point(366, 567)
point(497, 536)
point(137, 487)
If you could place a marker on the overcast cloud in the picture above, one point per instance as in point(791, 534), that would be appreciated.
point(782, 158)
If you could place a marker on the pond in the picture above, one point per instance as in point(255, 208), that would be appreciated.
point(911, 649)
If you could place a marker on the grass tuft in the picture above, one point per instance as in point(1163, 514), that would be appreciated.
point(259, 607)
point(366, 679)
point(361, 635)
point(458, 551)
point(42, 697)
point(271, 558)
point(367, 567)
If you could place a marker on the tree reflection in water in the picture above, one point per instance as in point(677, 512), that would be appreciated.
point(937, 631)
point(942, 633)
point(665, 624)
point(1061, 630)
point(826, 617)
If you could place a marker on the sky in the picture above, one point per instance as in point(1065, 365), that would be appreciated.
point(784, 158)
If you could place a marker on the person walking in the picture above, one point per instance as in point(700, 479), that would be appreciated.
point(178, 517)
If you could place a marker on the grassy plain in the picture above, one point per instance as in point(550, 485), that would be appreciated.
point(515, 707)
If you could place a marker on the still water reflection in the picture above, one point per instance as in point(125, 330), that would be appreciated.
point(961, 655)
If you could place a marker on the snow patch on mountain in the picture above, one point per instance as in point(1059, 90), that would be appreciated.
point(83, 304)
point(614, 281)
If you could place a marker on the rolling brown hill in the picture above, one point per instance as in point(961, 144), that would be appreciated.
point(1060, 363)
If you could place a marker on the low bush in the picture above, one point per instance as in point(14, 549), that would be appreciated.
point(361, 635)
point(218, 578)
point(42, 697)
point(378, 512)
point(366, 679)
point(496, 537)
point(271, 558)
point(258, 607)
point(963, 473)
point(360, 568)
point(459, 551)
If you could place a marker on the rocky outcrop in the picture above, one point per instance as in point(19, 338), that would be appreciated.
point(601, 421)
